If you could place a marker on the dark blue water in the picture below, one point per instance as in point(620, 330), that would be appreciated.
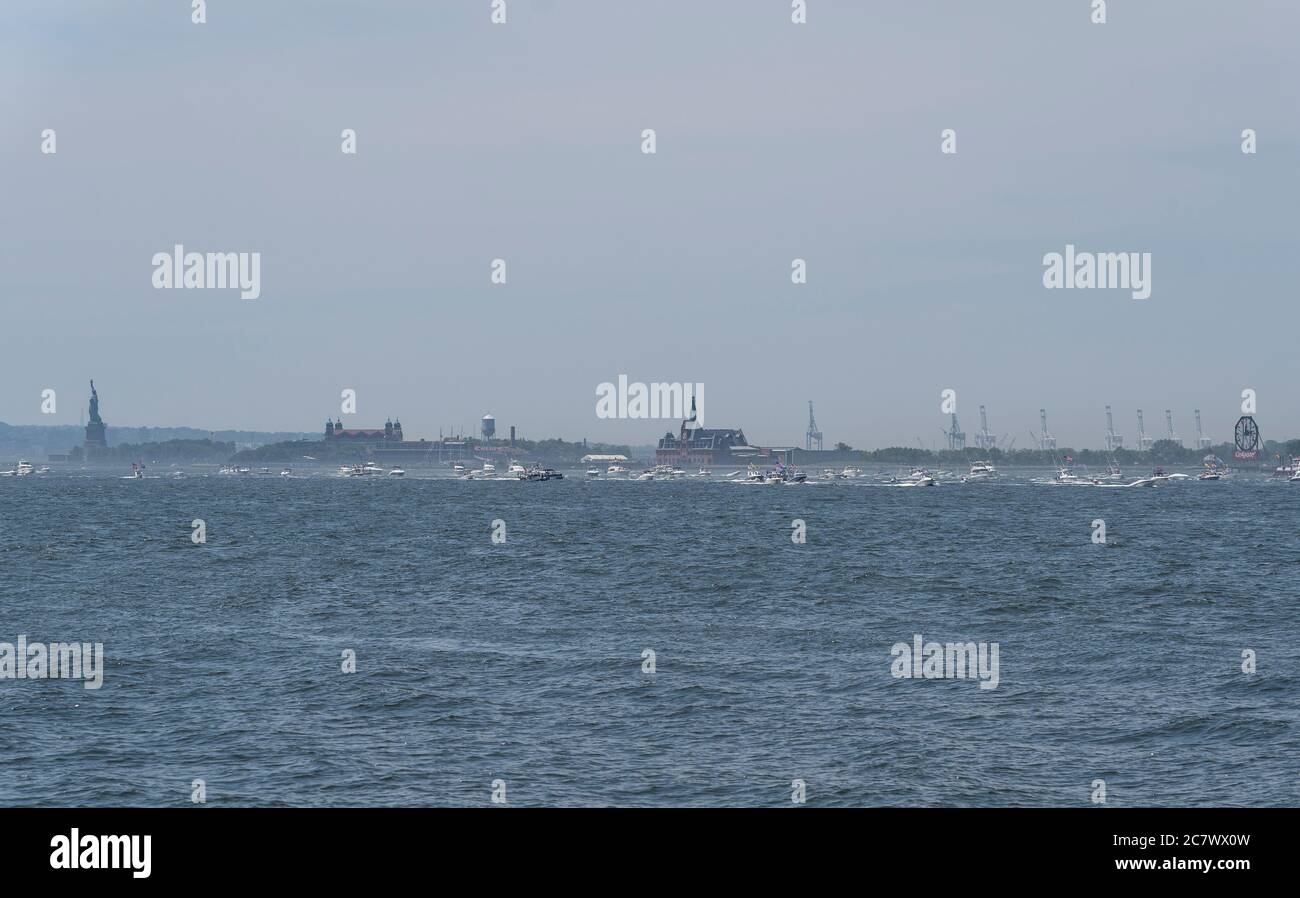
point(523, 661)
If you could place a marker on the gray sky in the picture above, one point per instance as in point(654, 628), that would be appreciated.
point(775, 141)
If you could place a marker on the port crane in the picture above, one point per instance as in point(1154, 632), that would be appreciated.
point(956, 439)
point(984, 439)
point(814, 435)
point(1144, 441)
point(1113, 440)
point(1045, 441)
point(1169, 428)
point(1202, 441)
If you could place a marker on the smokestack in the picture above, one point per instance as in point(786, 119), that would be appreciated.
point(512, 436)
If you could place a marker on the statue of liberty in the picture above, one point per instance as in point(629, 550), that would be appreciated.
point(96, 429)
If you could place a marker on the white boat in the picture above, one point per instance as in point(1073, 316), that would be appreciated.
point(45, 469)
point(515, 469)
point(918, 477)
point(24, 468)
point(646, 475)
point(458, 469)
point(593, 472)
point(1067, 475)
point(287, 472)
point(487, 472)
point(137, 472)
point(372, 468)
point(1294, 478)
point(615, 470)
point(397, 472)
point(703, 472)
point(981, 469)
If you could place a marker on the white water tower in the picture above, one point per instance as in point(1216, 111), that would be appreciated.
point(489, 427)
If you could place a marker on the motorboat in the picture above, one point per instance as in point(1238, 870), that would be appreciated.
point(515, 469)
point(593, 472)
point(538, 473)
point(24, 468)
point(981, 469)
point(645, 475)
point(615, 470)
point(918, 477)
point(137, 472)
point(396, 472)
point(850, 473)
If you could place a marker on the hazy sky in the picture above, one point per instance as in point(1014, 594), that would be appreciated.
point(775, 141)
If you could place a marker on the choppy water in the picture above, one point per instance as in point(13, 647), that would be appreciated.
point(523, 661)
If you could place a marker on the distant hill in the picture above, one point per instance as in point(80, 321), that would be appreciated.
point(37, 441)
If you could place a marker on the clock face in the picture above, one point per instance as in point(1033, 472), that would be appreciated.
point(1247, 434)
